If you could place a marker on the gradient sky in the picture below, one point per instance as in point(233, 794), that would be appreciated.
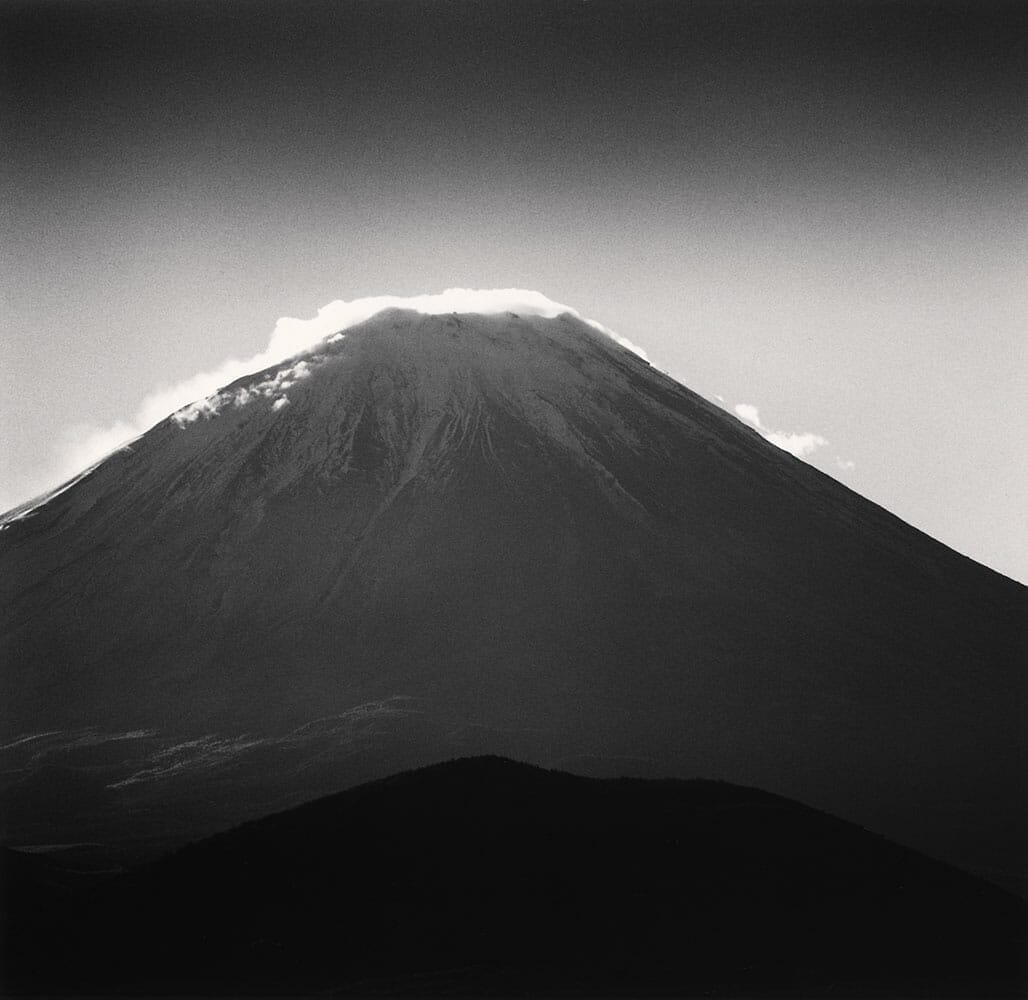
point(818, 209)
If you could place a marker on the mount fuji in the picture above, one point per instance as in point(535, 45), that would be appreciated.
point(440, 533)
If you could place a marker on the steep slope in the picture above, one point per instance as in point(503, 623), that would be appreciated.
point(503, 534)
point(482, 877)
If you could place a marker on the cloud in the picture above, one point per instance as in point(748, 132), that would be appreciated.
point(292, 335)
point(799, 444)
point(845, 464)
point(749, 413)
point(83, 446)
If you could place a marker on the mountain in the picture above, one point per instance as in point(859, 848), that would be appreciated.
point(485, 877)
point(437, 535)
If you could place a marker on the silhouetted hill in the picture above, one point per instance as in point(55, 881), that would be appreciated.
point(483, 876)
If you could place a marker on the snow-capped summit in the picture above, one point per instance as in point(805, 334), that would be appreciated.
point(294, 335)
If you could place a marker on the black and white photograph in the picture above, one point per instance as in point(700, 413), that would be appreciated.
point(514, 498)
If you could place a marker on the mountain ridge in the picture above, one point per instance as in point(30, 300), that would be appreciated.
point(503, 534)
point(484, 876)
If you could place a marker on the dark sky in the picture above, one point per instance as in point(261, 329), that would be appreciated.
point(400, 96)
point(815, 208)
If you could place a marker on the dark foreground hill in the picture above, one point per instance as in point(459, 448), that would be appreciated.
point(487, 877)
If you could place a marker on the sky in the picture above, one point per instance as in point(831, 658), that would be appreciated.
point(814, 214)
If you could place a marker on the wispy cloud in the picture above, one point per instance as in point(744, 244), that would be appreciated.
point(798, 443)
point(845, 464)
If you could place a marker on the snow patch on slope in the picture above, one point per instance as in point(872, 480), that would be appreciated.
point(273, 388)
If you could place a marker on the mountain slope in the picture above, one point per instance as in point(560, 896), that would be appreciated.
point(485, 877)
point(498, 534)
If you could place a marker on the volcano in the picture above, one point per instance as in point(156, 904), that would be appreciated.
point(433, 535)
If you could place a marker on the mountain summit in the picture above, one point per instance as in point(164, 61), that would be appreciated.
point(450, 533)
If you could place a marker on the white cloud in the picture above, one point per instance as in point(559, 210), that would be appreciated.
point(749, 413)
point(83, 445)
point(292, 335)
point(799, 444)
point(845, 464)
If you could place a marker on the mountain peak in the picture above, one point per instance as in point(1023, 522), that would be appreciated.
point(425, 363)
point(294, 335)
point(292, 338)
